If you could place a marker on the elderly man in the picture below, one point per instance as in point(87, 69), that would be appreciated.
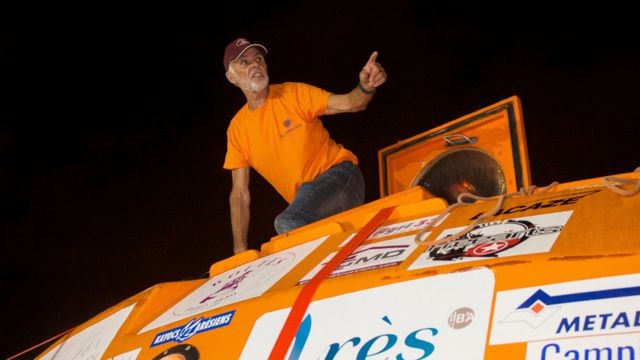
point(278, 133)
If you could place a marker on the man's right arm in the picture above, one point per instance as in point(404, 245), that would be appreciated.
point(239, 201)
point(371, 76)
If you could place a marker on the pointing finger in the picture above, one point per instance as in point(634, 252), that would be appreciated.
point(373, 57)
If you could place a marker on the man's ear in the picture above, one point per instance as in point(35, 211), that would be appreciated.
point(230, 76)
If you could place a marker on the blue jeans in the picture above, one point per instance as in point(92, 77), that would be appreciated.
point(339, 188)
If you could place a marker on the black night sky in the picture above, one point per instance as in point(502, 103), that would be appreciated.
point(113, 119)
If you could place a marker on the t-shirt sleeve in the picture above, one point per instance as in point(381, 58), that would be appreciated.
point(235, 158)
point(312, 99)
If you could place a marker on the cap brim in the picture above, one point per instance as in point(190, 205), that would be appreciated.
point(249, 47)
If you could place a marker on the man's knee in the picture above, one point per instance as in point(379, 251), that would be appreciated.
point(286, 222)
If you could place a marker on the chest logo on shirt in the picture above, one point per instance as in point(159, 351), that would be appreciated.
point(289, 127)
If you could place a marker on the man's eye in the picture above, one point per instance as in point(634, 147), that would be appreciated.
point(243, 62)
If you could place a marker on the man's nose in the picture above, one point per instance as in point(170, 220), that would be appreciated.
point(253, 64)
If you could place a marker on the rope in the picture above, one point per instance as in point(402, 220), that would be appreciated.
point(612, 183)
point(616, 184)
point(41, 344)
point(528, 191)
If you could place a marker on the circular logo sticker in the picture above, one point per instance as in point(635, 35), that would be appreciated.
point(461, 318)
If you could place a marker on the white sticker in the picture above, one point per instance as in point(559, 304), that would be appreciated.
point(428, 317)
point(503, 238)
point(92, 342)
point(242, 283)
point(619, 347)
point(579, 308)
point(400, 228)
point(404, 227)
point(370, 256)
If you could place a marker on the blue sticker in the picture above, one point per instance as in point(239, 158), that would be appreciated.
point(193, 327)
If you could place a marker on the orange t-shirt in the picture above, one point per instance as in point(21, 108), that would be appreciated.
point(284, 140)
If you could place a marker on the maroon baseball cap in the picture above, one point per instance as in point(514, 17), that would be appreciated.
point(236, 48)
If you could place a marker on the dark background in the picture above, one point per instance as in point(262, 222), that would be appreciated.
point(113, 120)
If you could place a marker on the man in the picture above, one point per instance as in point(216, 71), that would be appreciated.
point(279, 134)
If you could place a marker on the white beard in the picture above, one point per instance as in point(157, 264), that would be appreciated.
point(258, 84)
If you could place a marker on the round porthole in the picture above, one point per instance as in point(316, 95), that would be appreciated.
point(462, 170)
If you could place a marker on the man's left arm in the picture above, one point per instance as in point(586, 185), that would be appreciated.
point(371, 77)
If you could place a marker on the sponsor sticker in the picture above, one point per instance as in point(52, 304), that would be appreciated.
point(600, 306)
point(428, 317)
point(618, 347)
point(92, 342)
point(368, 257)
point(403, 227)
point(545, 202)
point(503, 238)
point(193, 327)
point(400, 228)
point(242, 283)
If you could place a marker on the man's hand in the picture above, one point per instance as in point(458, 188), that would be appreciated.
point(238, 248)
point(372, 74)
